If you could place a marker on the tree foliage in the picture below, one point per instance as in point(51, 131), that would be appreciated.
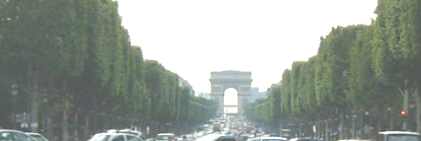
point(73, 63)
point(359, 69)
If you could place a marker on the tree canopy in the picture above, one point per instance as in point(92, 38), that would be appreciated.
point(361, 70)
point(72, 63)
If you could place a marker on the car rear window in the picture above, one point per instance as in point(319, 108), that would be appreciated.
point(37, 137)
point(164, 137)
point(6, 136)
point(403, 137)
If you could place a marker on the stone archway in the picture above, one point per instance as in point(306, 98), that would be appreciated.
point(223, 80)
point(231, 101)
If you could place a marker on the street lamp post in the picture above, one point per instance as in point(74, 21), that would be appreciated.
point(389, 110)
point(366, 122)
point(404, 110)
point(353, 125)
point(43, 123)
point(14, 93)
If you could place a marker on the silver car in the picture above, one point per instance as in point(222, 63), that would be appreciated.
point(398, 136)
point(114, 137)
point(37, 137)
point(13, 135)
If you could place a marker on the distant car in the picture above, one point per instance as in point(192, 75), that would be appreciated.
point(37, 137)
point(13, 135)
point(216, 128)
point(228, 133)
point(165, 137)
point(226, 138)
point(398, 136)
point(114, 136)
point(268, 139)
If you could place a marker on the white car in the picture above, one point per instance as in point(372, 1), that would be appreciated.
point(268, 139)
point(398, 136)
point(165, 137)
point(37, 136)
point(13, 135)
point(114, 136)
point(313, 139)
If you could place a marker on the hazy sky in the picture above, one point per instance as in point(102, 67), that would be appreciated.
point(195, 37)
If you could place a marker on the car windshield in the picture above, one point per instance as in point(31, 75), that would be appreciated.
point(37, 138)
point(5, 136)
point(163, 137)
point(8, 136)
point(403, 138)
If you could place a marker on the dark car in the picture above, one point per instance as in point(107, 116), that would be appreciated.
point(216, 128)
point(226, 138)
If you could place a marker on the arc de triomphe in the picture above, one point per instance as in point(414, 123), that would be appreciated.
point(223, 80)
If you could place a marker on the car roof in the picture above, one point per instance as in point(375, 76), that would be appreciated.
point(354, 140)
point(32, 133)
point(128, 130)
point(111, 133)
point(268, 138)
point(248, 135)
point(9, 130)
point(166, 134)
point(398, 132)
point(226, 137)
point(303, 138)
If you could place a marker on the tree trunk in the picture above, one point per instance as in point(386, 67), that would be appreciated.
point(75, 131)
point(86, 127)
point(65, 128)
point(49, 126)
point(391, 123)
point(418, 108)
point(341, 127)
point(34, 107)
point(327, 130)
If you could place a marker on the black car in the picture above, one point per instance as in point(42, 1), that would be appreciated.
point(226, 138)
